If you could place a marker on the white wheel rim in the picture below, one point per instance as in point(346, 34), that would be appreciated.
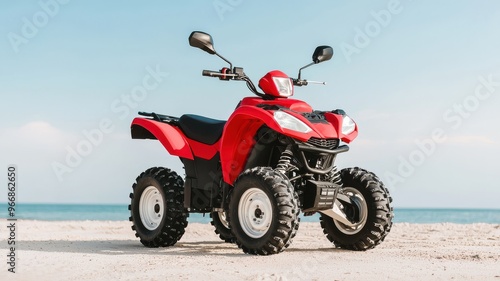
point(363, 213)
point(151, 208)
point(255, 212)
point(223, 219)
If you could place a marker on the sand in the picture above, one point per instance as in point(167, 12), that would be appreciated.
point(97, 250)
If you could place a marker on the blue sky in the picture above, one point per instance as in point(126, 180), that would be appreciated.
point(421, 79)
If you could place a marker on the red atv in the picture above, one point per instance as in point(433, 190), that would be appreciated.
point(256, 172)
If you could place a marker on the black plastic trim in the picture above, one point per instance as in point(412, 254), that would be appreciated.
point(340, 149)
point(334, 152)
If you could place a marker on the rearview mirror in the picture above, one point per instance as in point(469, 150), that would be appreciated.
point(322, 53)
point(203, 41)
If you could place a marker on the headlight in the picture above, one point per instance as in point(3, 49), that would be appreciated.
point(284, 86)
point(287, 121)
point(348, 125)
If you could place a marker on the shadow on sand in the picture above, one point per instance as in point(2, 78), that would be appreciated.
point(131, 247)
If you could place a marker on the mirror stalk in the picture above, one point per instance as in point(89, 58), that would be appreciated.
point(230, 64)
point(300, 70)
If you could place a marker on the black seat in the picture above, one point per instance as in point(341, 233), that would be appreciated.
point(201, 128)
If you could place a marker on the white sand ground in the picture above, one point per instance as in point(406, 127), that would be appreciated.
point(94, 250)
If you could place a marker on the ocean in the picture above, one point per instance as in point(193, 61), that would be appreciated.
point(60, 212)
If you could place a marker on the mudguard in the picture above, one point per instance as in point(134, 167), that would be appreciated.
point(238, 137)
point(169, 136)
point(336, 121)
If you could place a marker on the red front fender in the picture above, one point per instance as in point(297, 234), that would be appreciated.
point(336, 121)
point(169, 136)
point(238, 138)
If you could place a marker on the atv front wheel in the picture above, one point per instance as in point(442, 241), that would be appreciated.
point(221, 224)
point(370, 212)
point(156, 207)
point(263, 211)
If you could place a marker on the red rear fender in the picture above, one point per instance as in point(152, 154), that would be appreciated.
point(170, 137)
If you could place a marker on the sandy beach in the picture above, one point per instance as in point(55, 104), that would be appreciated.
point(99, 250)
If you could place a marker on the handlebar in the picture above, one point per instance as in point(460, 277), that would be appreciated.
point(234, 74)
point(220, 74)
point(210, 73)
point(316, 82)
point(301, 82)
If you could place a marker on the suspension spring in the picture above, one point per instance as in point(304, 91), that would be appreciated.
point(285, 159)
point(335, 176)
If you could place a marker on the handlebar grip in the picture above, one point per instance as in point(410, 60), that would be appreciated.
point(210, 73)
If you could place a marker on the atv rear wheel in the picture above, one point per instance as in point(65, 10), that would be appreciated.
point(156, 207)
point(221, 224)
point(263, 211)
point(370, 212)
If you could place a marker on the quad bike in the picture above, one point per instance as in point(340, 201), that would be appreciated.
point(254, 173)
